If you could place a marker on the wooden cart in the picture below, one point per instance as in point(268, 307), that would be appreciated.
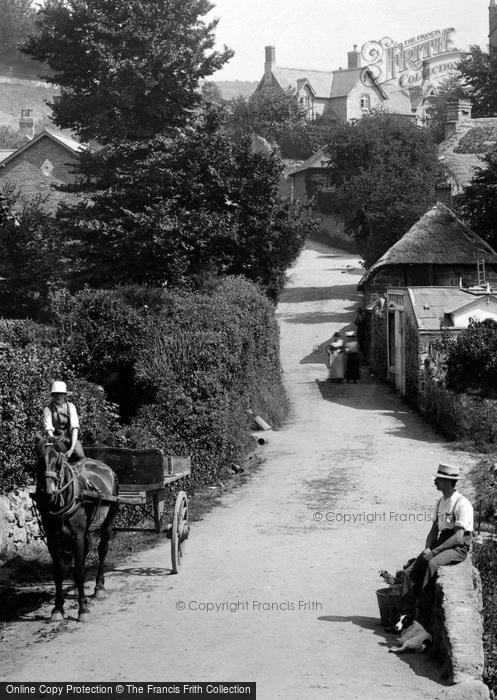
point(144, 477)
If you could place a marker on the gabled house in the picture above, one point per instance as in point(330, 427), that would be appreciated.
point(336, 95)
point(439, 250)
point(39, 164)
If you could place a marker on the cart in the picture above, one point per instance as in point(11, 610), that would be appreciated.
point(144, 477)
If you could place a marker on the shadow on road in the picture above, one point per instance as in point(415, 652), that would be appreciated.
point(368, 395)
point(425, 665)
point(316, 317)
point(318, 355)
point(139, 571)
point(299, 295)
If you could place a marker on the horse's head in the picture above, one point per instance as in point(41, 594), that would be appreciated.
point(50, 465)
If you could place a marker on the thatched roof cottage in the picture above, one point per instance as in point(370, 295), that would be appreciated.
point(438, 251)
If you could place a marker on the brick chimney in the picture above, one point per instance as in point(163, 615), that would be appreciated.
point(269, 64)
point(354, 58)
point(457, 113)
point(26, 124)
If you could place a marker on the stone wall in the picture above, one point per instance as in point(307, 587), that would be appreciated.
point(458, 630)
point(459, 416)
point(19, 529)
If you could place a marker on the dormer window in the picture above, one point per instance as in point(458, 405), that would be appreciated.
point(365, 103)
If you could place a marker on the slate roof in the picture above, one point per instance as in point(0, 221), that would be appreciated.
point(431, 304)
point(319, 80)
point(68, 143)
point(438, 238)
point(325, 84)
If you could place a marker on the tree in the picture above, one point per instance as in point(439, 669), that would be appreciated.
point(18, 18)
point(211, 93)
point(32, 258)
point(478, 71)
point(127, 70)
point(178, 208)
point(381, 179)
point(263, 112)
point(477, 205)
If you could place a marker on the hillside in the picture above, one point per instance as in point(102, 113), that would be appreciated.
point(22, 93)
point(17, 94)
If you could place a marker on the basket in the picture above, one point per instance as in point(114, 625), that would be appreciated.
point(388, 603)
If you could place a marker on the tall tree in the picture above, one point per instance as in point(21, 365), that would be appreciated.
point(477, 205)
point(263, 112)
point(178, 208)
point(127, 70)
point(381, 179)
point(478, 72)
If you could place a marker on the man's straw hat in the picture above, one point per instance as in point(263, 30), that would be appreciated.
point(59, 388)
point(447, 471)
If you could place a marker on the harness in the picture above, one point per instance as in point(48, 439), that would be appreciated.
point(63, 484)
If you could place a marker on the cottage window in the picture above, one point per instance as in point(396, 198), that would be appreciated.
point(365, 102)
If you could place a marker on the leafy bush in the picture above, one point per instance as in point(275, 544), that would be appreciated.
point(20, 333)
point(103, 335)
point(471, 359)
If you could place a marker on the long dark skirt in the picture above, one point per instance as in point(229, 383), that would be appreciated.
point(352, 366)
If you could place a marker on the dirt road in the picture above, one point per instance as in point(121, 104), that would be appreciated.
point(278, 586)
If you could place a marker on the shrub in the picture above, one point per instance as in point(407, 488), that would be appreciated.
point(471, 359)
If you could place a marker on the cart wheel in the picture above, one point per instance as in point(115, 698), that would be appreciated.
point(179, 531)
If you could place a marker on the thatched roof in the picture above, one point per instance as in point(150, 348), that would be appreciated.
point(438, 238)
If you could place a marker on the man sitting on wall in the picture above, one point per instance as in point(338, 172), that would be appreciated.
point(448, 542)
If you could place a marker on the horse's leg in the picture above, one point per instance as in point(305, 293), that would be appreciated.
point(55, 547)
point(79, 572)
point(103, 546)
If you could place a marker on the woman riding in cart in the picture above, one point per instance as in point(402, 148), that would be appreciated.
point(61, 421)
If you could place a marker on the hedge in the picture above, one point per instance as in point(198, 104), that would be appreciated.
point(210, 358)
point(189, 366)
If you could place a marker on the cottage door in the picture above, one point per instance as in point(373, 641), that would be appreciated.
point(400, 364)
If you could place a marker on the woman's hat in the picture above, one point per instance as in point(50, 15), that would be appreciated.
point(447, 471)
point(58, 388)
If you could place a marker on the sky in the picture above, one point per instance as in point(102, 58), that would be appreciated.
point(318, 33)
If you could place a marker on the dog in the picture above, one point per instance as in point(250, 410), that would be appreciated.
point(413, 636)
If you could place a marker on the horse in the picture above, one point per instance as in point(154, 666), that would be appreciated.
point(67, 516)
